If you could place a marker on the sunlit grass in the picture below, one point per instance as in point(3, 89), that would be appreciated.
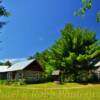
point(50, 91)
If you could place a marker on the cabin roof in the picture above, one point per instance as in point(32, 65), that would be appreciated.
point(17, 66)
point(3, 68)
point(20, 65)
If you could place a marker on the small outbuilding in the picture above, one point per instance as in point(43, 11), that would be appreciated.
point(97, 71)
point(30, 70)
point(56, 75)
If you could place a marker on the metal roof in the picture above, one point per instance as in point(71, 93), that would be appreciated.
point(17, 66)
point(98, 67)
point(97, 64)
point(3, 68)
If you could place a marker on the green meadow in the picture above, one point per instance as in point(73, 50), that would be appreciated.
point(50, 91)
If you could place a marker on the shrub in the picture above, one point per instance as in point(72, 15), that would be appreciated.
point(12, 82)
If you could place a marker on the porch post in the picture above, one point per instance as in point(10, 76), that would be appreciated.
point(22, 76)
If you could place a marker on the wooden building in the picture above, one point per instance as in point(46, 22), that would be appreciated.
point(56, 75)
point(30, 70)
point(97, 71)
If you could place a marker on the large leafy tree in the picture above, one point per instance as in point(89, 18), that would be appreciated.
point(87, 5)
point(74, 50)
point(72, 53)
point(3, 13)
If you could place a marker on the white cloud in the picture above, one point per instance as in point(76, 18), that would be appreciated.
point(13, 60)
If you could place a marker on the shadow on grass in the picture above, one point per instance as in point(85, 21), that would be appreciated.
point(86, 83)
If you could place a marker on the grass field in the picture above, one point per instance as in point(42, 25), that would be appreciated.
point(50, 91)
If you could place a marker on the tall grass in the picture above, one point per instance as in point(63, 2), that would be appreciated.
point(34, 93)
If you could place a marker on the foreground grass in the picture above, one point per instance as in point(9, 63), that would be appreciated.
point(50, 91)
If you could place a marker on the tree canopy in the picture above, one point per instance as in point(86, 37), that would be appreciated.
point(72, 53)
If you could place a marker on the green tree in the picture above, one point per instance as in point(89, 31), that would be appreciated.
point(73, 52)
point(86, 5)
point(8, 63)
point(3, 12)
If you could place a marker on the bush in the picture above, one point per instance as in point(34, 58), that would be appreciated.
point(12, 82)
point(4, 82)
point(85, 77)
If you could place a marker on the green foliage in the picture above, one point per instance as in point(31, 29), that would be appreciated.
point(86, 5)
point(98, 16)
point(4, 82)
point(71, 53)
point(83, 76)
point(12, 82)
point(48, 72)
point(8, 63)
point(3, 12)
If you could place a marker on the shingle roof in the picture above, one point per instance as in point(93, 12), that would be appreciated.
point(17, 66)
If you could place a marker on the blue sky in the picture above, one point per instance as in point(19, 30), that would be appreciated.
point(35, 24)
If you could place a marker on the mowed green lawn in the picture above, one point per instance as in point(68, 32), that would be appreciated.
point(50, 91)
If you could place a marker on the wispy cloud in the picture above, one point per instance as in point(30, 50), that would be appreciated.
point(13, 60)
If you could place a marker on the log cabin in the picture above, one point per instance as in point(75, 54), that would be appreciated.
point(30, 70)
